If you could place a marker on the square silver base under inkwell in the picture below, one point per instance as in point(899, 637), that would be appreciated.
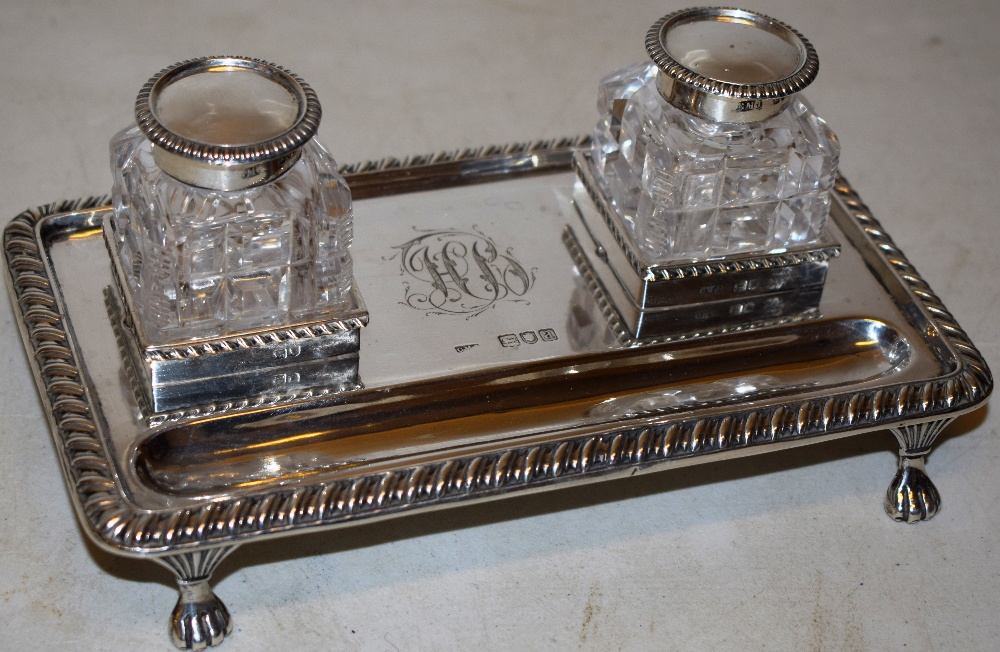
point(258, 367)
point(690, 297)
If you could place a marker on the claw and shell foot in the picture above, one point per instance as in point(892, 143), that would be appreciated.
point(911, 496)
point(199, 619)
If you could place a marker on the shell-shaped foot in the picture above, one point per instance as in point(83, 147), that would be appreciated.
point(912, 497)
point(199, 619)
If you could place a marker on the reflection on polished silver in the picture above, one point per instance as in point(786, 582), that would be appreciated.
point(485, 406)
point(729, 65)
point(226, 123)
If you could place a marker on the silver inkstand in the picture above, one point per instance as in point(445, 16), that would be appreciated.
point(204, 391)
point(233, 280)
point(703, 200)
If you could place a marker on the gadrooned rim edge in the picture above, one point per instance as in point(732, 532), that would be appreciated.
point(299, 134)
point(794, 83)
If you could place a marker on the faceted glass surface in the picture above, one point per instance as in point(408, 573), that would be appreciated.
point(685, 188)
point(203, 263)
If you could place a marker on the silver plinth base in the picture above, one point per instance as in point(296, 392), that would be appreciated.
point(689, 298)
point(265, 366)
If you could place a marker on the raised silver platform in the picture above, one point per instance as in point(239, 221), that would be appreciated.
point(688, 297)
point(266, 365)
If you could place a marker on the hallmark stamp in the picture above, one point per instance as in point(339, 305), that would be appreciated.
point(512, 340)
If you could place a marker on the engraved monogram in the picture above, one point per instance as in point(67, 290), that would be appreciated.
point(460, 273)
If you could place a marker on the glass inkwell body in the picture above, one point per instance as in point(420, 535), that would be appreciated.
point(230, 241)
point(709, 178)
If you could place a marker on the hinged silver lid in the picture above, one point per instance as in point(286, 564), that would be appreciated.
point(729, 65)
point(226, 123)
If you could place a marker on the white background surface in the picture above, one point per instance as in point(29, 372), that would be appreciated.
point(789, 551)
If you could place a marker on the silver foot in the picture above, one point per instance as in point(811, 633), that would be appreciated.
point(911, 496)
point(199, 619)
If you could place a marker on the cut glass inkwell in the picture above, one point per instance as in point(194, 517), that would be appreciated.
point(230, 241)
point(706, 191)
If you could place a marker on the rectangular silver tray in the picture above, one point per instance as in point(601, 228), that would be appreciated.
point(507, 375)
